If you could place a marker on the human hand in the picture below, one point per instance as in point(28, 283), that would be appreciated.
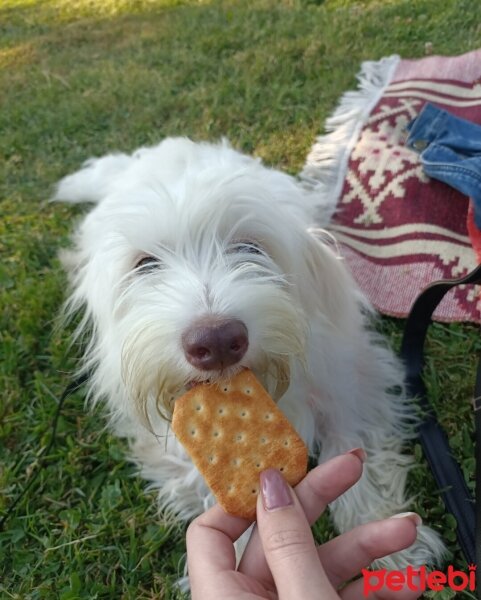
point(281, 560)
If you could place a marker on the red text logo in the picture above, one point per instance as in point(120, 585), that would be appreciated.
point(419, 580)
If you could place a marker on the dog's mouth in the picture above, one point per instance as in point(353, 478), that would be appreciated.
point(275, 386)
point(216, 378)
point(274, 382)
point(194, 382)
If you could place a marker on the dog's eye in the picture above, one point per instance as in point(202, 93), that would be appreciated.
point(247, 246)
point(147, 263)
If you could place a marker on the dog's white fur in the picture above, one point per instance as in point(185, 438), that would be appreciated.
point(194, 207)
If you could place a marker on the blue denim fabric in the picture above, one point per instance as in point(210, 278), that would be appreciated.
point(450, 150)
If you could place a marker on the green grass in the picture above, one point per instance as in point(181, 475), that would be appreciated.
point(83, 77)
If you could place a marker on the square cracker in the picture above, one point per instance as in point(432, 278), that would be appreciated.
point(233, 431)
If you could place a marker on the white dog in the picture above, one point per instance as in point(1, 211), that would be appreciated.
point(197, 261)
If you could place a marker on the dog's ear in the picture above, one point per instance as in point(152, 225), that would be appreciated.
point(329, 289)
point(95, 180)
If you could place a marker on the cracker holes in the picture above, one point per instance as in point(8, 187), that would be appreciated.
point(268, 417)
point(244, 413)
point(239, 437)
point(216, 433)
point(263, 440)
point(247, 391)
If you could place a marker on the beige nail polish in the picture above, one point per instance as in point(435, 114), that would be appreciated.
point(414, 517)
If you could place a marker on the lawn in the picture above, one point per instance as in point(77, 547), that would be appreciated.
point(84, 77)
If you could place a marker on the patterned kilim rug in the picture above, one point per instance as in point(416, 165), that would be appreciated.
point(397, 229)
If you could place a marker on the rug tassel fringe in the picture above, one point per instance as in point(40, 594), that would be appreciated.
point(327, 161)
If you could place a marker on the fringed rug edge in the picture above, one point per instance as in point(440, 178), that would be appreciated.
point(327, 161)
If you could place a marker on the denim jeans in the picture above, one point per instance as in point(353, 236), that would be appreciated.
point(450, 150)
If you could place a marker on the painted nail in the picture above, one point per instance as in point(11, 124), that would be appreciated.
point(360, 453)
point(415, 518)
point(275, 491)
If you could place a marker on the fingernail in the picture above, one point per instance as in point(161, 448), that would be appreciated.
point(275, 491)
point(415, 518)
point(360, 453)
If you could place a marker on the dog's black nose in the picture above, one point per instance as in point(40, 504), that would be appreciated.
point(213, 344)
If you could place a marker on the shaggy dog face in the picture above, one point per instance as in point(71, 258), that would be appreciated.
point(183, 233)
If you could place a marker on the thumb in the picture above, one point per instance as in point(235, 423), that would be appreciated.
point(288, 544)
